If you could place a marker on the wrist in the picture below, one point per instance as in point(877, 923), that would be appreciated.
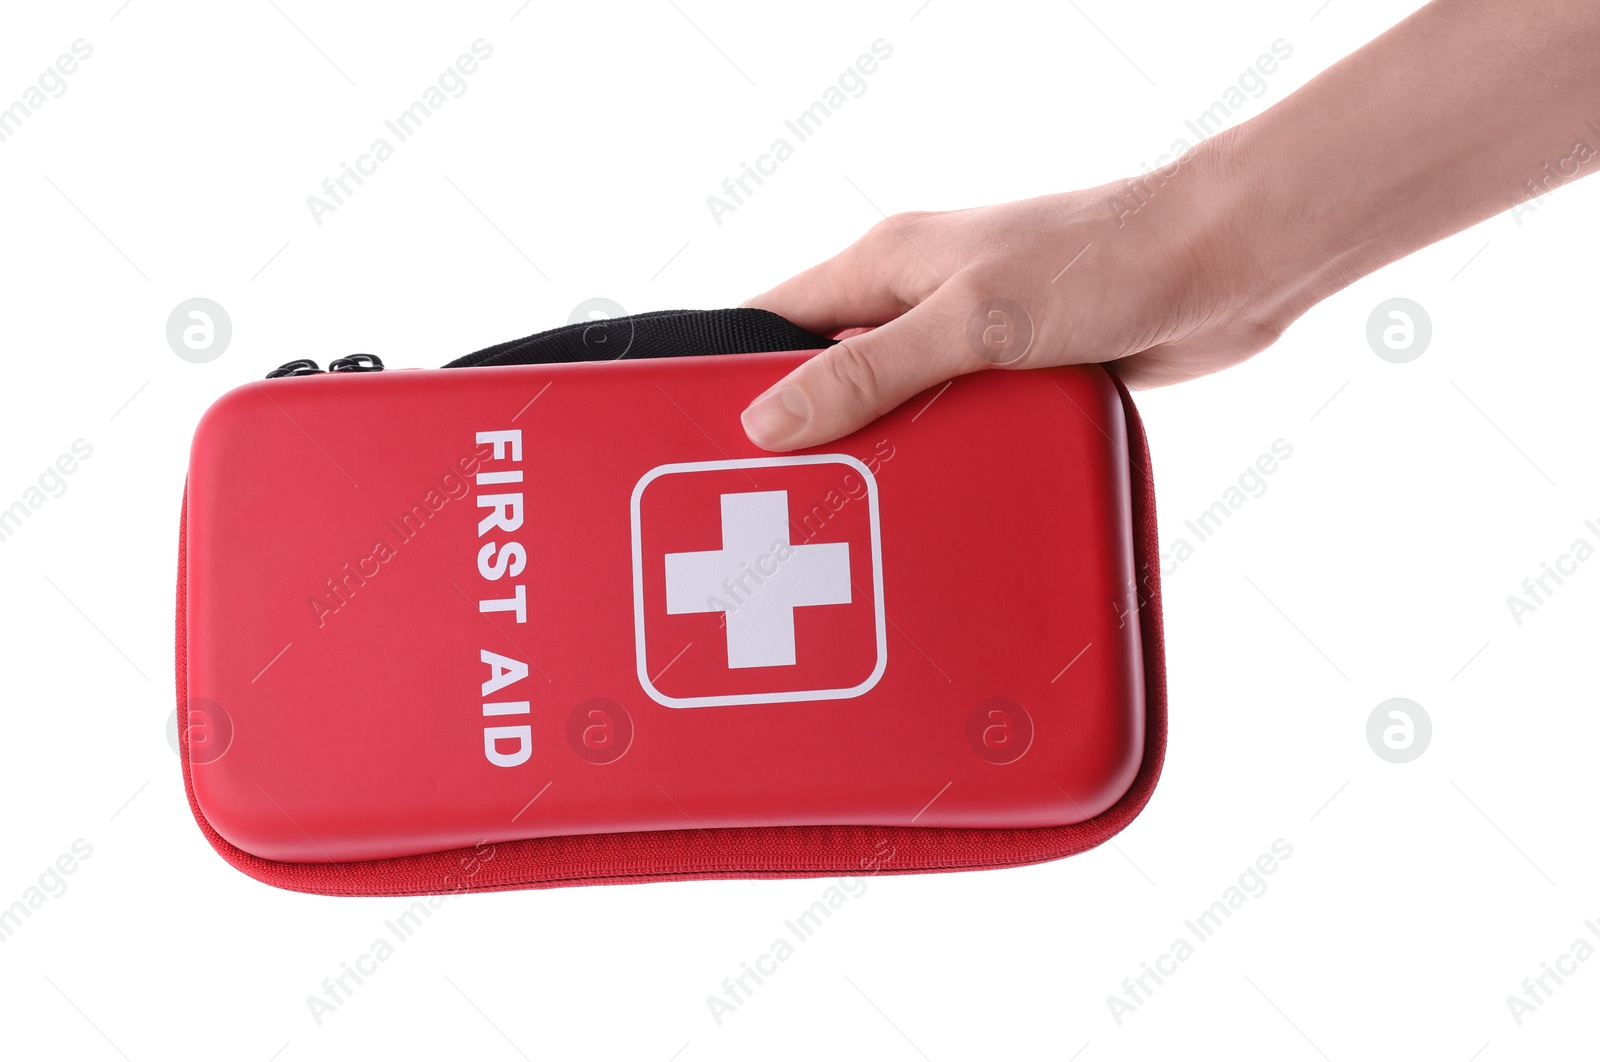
point(1269, 264)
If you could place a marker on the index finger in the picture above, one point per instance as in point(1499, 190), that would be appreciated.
point(871, 282)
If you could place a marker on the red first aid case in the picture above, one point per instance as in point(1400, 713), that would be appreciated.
point(547, 617)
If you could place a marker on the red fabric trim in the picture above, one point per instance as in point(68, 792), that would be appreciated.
point(753, 852)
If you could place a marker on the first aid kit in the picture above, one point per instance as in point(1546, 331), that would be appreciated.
point(545, 616)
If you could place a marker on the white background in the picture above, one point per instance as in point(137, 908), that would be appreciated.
point(1377, 564)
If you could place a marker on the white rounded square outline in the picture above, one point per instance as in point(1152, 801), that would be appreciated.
point(758, 698)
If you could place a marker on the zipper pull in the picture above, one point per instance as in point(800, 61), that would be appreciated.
point(357, 363)
point(298, 367)
point(307, 367)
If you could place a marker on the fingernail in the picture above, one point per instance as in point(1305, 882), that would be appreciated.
point(775, 416)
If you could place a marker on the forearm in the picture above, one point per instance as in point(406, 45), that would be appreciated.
point(1462, 111)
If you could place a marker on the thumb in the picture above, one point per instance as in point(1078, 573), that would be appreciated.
point(863, 377)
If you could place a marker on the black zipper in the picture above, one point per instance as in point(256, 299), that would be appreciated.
point(307, 367)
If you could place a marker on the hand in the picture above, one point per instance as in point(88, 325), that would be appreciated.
point(1089, 276)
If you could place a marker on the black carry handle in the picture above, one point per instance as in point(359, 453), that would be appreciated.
point(658, 334)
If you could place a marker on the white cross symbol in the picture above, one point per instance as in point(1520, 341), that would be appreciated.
point(757, 579)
